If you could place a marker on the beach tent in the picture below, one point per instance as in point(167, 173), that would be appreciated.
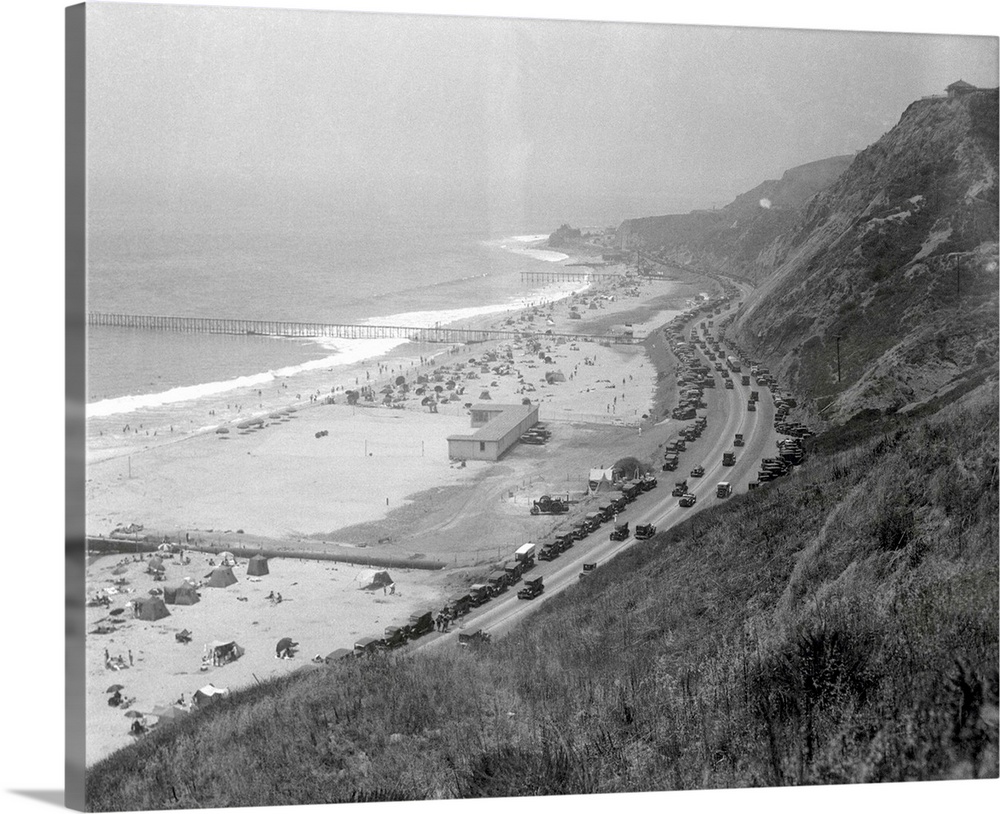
point(165, 713)
point(155, 565)
point(149, 609)
point(221, 577)
point(257, 566)
point(183, 594)
point(219, 652)
point(227, 558)
point(371, 578)
point(601, 479)
point(208, 694)
point(555, 376)
point(485, 396)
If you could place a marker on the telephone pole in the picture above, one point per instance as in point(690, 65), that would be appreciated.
point(838, 358)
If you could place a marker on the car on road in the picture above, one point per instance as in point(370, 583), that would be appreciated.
point(688, 500)
point(565, 541)
point(644, 531)
point(471, 638)
point(621, 532)
point(532, 587)
point(368, 646)
point(724, 489)
point(698, 472)
point(532, 439)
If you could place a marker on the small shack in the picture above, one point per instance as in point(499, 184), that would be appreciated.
point(960, 88)
point(257, 566)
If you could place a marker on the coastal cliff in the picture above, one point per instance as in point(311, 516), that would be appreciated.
point(893, 251)
point(740, 238)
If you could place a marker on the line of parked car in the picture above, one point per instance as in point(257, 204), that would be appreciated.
point(421, 622)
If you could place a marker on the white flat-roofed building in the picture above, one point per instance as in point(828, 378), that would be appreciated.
point(500, 426)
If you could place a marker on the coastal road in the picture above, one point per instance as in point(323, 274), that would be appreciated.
point(727, 415)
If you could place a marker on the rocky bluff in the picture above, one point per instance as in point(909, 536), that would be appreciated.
point(893, 250)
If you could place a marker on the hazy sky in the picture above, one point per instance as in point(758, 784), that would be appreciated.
point(521, 115)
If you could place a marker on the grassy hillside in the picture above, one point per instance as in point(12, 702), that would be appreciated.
point(836, 626)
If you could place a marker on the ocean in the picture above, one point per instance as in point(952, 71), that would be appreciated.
point(401, 268)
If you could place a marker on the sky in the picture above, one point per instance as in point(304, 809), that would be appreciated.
point(506, 115)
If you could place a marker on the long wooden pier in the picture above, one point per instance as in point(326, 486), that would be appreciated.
point(276, 328)
point(566, 276)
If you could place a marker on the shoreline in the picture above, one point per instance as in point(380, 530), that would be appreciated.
point(118, 470)
point(171, 420)
point(335, 349)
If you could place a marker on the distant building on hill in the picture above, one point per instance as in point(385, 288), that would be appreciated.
point(960, 88)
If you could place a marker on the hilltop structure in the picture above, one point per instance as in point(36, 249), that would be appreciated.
point(959, 88)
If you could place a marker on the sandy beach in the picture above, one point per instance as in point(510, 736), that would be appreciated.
point(373, 477)
point(323, 607)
